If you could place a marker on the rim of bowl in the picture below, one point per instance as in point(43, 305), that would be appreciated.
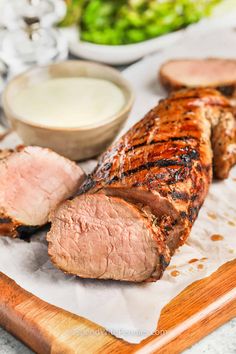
point(129, 100)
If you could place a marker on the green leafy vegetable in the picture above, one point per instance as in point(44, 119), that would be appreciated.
point(124, 22)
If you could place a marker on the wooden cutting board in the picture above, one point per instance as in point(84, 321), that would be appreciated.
point(194, 313)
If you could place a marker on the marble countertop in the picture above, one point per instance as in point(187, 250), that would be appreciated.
point(222, 340)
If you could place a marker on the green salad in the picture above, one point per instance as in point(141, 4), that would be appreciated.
point(124, 22)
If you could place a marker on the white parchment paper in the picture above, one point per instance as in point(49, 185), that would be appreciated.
point(131, 311)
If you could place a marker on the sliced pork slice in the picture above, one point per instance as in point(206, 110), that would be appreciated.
point(95, 236)
point(33, 182)
point(188, 73)
point(146, 192)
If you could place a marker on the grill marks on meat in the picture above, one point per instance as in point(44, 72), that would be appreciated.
point(166, 153)
point(162, 167)
point(33, 182)
point(188, 73)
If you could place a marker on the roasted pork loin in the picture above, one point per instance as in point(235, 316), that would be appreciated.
point(33, 182)
point(189, 73)
point(140, 203)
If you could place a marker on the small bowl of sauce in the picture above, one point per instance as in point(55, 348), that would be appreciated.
point(75, 108)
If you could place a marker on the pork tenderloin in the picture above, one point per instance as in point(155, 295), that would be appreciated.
point(139, 204)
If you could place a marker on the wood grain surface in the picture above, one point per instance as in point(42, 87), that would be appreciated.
point(194, 313)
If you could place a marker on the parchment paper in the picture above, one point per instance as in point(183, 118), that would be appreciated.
point(131, 311)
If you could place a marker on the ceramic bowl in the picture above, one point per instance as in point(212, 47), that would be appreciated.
point(75, 143)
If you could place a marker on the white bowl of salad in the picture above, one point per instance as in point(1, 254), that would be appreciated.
point(120, 32)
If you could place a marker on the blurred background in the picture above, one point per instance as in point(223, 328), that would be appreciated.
point(118, 33)
point(115, 32)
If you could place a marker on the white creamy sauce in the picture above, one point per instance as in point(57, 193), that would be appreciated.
point(69, 102)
